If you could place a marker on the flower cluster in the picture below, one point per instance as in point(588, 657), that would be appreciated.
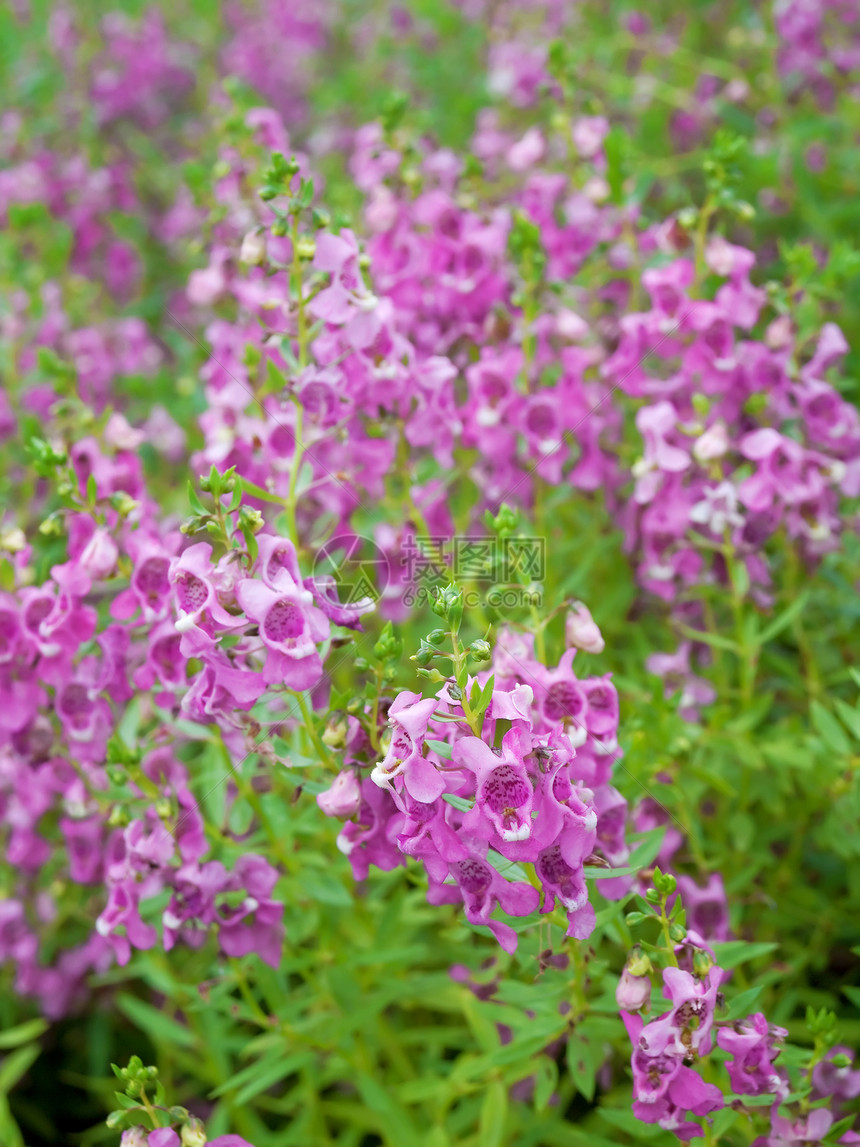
point(522, 780)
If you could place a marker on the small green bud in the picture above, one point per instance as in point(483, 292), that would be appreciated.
point(436, 636)
point(306, 249)
point(678, 933)
point(118, 818)
point(334, 734)
point(481, 650)
point(193, 1134)
point(688, 217)
point(638, 962)
point(841, 1060)
point(702, 963)
point(653, 896)
point(250, 519)
point(424, 656)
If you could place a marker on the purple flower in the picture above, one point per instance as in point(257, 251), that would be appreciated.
point(346, 295)
point(843, 1083)
point(255, 925)
point(751, 1044)
point(687, 1027)
point(408, 717)
point(343, 797)
point(481, 888)
point(290, 629)
point(707, 908)
point(505, 795)
point(581, 631)
point(632, 993)
point(191, 576)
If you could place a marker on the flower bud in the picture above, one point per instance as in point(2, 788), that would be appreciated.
point(253, 250)
point(702, 963)
point(639, 963)
point(678, 933)
point(343, 799)
point(306, 248)
point(133, 1136)
point(581, 631)
point(653, 896)
point(632, 992)
point(436, 637)
point(712, 444)
point(193, 1134)
point(335, 731)
point(481, 650)
point(250, 519)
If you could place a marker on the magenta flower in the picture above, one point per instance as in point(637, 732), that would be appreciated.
point(481, 888)
point(408, 717)
point(753, 1045)
point(372, 838)
point(256, 924)
point(191, 576)
point(707, 908)
point(346, 295)
point(505, 796)
point(343, 797)
point(581, 630)
point(290, 629)
point(687, 1027)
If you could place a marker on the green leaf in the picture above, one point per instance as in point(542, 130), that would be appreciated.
point(16, 1065)
point(494, 1114)
point(22, 1033)
point(785, 618)
point(713, 639)
point(730, 953)
point(627, 1121)
point(257, 492)
point(829, 729)
point(395, 1122)
point(581, 1063)
point(261, 1074)
point(850, 718)
point(326, 888)
point(159, 1026)
point(742, 1005)
point(547, 1081)
point(457, 802)
point(440, 747)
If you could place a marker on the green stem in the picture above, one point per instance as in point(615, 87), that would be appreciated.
point(307, 718)
point(302, 339)
point(459, 660)
point(253, 798)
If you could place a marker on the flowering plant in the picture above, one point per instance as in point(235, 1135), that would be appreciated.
point(428, 572)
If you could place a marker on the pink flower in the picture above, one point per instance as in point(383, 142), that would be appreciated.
point(581, 631)
point(290, 629)
point(409, 716)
